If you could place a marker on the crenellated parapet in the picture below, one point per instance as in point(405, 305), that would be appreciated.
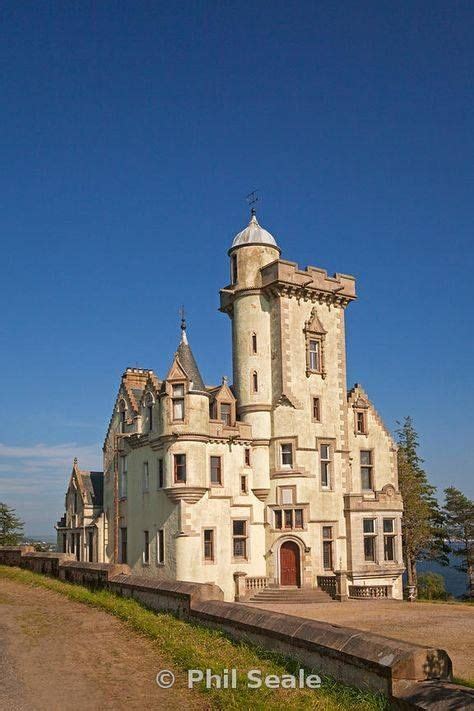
point(312, 283)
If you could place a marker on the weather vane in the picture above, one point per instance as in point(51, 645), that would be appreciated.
point(252, 199)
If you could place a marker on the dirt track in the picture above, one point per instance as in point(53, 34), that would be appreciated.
point(56, 654)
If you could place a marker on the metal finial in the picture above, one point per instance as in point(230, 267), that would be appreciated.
point(252, 199)
point(75, 461)
point(183, 325)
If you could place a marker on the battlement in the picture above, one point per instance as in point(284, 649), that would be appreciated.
point(316, 279)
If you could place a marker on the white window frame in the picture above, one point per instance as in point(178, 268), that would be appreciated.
point(328, 465)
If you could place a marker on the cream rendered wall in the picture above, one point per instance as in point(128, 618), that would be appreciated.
point(183, 523)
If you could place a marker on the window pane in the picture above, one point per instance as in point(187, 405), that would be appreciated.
point(366, 477)
point(389, 548)
point(238, 528)
point(178, 390)
point(209, 544)
point(327, 531)
point(288, 518)
point(369, 548)
point(278, 519)
point(287, 454)
point(178, 409)
point(298, 518)
point(325, 481)
point(240, 547)
point(325, 451)
point(316, 412)
point(226, 413)
point(365, 457)
point(388, 525)
point(180, 467)
point(215, 470)
point(243, 484)
point(314, 355)
point(327, 555)
point(369, 525)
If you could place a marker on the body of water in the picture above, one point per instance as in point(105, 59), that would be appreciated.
point(455, 582)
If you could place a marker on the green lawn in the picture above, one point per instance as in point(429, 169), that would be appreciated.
point(189, 646)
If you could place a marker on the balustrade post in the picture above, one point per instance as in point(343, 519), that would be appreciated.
point(240, 588)
point(341, 585)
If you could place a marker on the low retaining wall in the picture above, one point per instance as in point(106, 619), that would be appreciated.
point(95, 575)
point(352, 656)
point(11, 555)
point(165, 595)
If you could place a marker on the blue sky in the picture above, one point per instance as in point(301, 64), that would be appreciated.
point(131, 132)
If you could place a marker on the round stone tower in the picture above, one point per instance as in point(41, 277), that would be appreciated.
point(252, 249)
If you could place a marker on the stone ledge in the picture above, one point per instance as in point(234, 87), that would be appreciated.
point(342, 652)
point(195, 592)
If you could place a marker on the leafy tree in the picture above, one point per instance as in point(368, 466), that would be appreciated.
point(459, 517)
point(431, 586)
point(423, 531)
point(11, 528)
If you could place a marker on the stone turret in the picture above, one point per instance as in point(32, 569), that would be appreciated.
point(252, 249)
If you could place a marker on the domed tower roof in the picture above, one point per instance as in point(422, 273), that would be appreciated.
point(254, 234)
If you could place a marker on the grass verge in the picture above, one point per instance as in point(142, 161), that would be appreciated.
point(189, 646)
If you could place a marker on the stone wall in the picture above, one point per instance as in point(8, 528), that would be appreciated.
point(396, 668)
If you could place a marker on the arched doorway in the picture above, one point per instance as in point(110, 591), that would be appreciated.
point(290, 564)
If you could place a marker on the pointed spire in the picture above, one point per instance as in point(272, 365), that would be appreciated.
point(186, 358)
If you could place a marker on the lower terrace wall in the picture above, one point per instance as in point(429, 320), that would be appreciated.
point(352, 656)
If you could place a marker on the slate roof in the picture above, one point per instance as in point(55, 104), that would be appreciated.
point(92, 484)
point(188, 362)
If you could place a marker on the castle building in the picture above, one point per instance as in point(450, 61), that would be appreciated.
point(283, 479)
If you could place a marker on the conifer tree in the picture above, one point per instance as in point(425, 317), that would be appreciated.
point(11, 528)
point(459, 518)
point(423, 530)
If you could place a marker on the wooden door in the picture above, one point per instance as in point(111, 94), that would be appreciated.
point(289, 563)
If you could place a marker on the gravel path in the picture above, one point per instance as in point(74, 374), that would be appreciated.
point(56, 654)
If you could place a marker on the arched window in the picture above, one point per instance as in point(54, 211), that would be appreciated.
point(122, 414)
point(255, 381)
point(149, 402)
point(254, 343)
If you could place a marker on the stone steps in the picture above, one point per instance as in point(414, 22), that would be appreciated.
point(290, 596)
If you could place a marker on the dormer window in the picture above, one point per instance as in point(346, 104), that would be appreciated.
point(178, 402)
point(234, 274)
point(361, 422)
point(315, 335)
point(149, 407)
point(314, 356)
point(226, 413)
